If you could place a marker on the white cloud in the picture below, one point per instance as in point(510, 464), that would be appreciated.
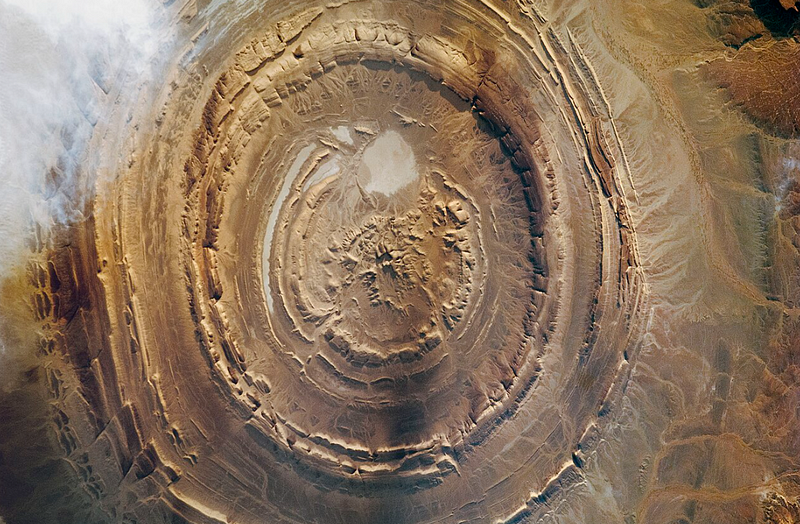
point(57, 57)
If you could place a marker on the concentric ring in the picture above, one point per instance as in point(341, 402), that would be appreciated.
point(398, 266)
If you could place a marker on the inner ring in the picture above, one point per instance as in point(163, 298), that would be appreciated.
point(381, 257)
point(398, 266)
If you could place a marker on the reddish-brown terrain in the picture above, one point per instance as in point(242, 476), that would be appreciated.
point(416, 261)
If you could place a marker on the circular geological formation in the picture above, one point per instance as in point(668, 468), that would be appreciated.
point(400, 271)
point(355, 259)
point(382, 301)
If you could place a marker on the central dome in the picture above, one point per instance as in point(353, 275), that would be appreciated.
point(382, 258)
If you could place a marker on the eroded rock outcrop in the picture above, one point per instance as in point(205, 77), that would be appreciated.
point(428, 262)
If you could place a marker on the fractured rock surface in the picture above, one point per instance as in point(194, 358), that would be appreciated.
point(466, 261)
